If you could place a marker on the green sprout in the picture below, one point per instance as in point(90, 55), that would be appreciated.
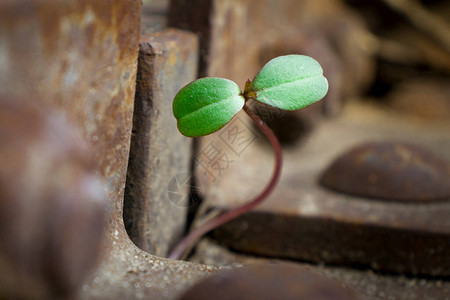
point(206, 105)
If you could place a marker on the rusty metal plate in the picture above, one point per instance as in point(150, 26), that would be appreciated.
point(154, 210)
point(80, 57)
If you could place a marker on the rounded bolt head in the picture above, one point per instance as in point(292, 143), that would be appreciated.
point(391, 171)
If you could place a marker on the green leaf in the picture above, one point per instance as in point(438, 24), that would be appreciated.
point(206, 105)
point(289, 82)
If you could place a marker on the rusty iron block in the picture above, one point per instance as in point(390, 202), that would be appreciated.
point(154, 211)
point(80, 58)
point(305, 221)
point(365, 283)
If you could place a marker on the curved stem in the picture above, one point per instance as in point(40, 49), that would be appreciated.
point(197, 233)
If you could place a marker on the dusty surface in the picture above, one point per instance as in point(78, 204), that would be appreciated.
point(130, 273)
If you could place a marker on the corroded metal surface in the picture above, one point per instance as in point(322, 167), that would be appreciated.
point(346, 242)
point(267, 281)
point(391, 171)
point(80, 57)
point(154, 216)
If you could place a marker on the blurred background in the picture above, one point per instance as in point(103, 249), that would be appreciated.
point(97, 185)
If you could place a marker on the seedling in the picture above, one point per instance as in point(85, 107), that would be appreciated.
point(206, 105)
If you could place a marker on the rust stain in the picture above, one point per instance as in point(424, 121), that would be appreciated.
point(172, 58)
point(80, 57)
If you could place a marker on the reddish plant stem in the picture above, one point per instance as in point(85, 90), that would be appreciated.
point(197, 233)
